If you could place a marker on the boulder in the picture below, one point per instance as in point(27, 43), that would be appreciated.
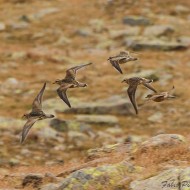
point(98, 119)
point(136, 21)
point(159, 30)
point(162, 141)
point(113, 105)
point(102, 177)
point(157, 44)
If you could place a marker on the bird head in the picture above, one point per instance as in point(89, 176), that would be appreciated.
point(149, 96)
point(124, 80)
point(57, 82)
point(25, 116)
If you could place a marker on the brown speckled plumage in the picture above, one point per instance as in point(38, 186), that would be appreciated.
point(35, 115)
point(69, 82)
point(123, 57)
point(133, 83)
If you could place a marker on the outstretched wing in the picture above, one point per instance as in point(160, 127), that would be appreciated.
point(131, 93)
point(37, 103)
point(71, 73)
point(147, 85)
point(61, 91)
point(26, 129)
point(115, 63)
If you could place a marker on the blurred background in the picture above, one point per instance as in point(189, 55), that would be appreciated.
point(41, 39)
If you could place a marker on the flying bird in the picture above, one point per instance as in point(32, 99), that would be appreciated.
point(159, 97)
point(35, 115)
point(133, 83)
point(69, 82)
point(123, 57)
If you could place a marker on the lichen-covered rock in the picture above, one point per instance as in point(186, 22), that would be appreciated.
point(162, 141)
point(114, 148)
point(99, 178)
point(172, 179)
point(166, 180)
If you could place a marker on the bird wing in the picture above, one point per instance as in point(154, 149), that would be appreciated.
point(71, 73)
point(147, 85)
point(131, 93)
point(26, 129)
point(37, 103)
point(61, 91)
point(115, 63)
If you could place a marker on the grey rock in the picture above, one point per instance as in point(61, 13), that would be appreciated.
point(156, 117)
point(156, 44)
point(102, 177)
point(84, 32)
point(69, 125)
point(113, 105)
point(159, 30)
point(19, 25)
point(136, 21)
point(47, 133)
point(42, 13)
point(129, 31)
point(166, 180)
point(162, 141)
point(97, 25)
point(184, 40)
point(98, 119)
point(180, 9)
point(50, 186)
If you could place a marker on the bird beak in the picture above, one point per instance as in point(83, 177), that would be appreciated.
point(123, 81)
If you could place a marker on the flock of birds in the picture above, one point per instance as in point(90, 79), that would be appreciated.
point(70, 82)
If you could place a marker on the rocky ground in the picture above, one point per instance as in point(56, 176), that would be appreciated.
point(100, 143)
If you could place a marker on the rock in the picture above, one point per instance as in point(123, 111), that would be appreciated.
point(34, 180)
point(18, 55)
point(107, 176)
point(110, 149)
point(166, 180)
point(156, 44)
point(19, 25)
point(114, 130)
point(113, 105)
point(47, 133)
point(42, 13)
point(156, 117)
point(84, 32)
point(129, 31)
point(159, 30)
point(50, 186)
point(162, 141)
point(2, 26)
point(78, 139)
point(105, 44)
point(136, 21)
point(97, 25)
point(98, 119)
point(180, 9)
point(62, 41)
point(184, 40)
point(69, 125)
point(6, 123)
